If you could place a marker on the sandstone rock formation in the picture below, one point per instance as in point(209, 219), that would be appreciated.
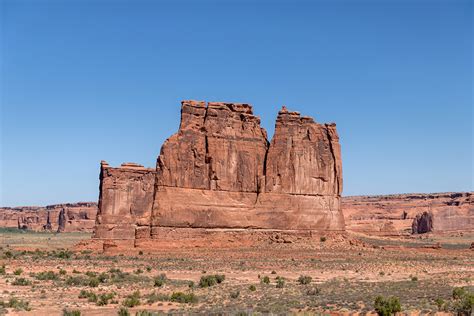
point(69, 217)
point(395, 214)
point(220, 172)
point(422, 223)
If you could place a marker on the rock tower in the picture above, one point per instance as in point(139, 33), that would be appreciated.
point(219, 172)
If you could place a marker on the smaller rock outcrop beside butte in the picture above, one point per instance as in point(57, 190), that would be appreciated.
point(422, 223)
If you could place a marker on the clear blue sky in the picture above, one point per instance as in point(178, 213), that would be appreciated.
point(83, 81)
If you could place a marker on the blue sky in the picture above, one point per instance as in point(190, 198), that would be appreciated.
point(83, 81)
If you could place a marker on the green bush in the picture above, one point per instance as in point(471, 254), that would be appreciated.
point(181, 297)
point(46, 275)
point(387, 306)
point(234, 294)
point(21, 282)
point(16, 304)
point(305, 279)
point(76, 281)
point(322, 238)
point(160, 280)
point(93, 282)
point(156, 297)
point(123, 312)
point(3, 270)
point(313, 291)
point(252, 288)
point(266, 280)
point(280, 282)
point(71, 312)
point(210, 280)
point(463, 301)
point(459, 292)
point(132, 300)
point(18, 271)
point(105, 298)
point(91, 296)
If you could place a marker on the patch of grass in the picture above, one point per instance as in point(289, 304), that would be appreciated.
point(21, 282)
point(156, 297)
point(211, 280)
point(160, 280)
point(46, 275)
point(16, 304)
point(387, 306)
point(18, 271)
point(132, 300)
point(181, 297)
point(123, 312)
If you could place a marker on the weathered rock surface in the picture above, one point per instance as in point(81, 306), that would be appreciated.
point(220, 172)
point(68, 217)
point(397, 214)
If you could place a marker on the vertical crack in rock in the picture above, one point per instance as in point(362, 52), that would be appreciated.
point(331, 148)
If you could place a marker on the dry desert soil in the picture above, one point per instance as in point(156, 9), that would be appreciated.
point(46, 274)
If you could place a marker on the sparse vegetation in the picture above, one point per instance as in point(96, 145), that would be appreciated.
point(266, 280)
point(387, 306)
point(21, 282)
point(211, 280)
point(132, 300)
point(16, 304)
point(304, 279)
point(67, 312)
point(181, 297)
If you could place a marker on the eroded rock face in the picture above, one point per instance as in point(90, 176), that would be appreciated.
point(220, 171)
point(450, 212)
point(76, 217)
point(422, 223)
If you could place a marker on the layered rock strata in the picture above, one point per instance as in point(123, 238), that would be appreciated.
point(70, 217)
point(409, 213)
point(220, 172)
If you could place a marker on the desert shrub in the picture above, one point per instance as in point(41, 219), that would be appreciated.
point(210, 280)
point(145, 313)
point(160, 280)
point(67, 312)
point(76, 281)
point(46, 275)
point(93, 282)
point(191, 284)
point(3, 270)
point(440, 303)
point(252, 288)
point(140, 253)
point(234, 294)
point(16, 304)
point(21, 282)
point(414, 278)
point(123, 312)
point(181, 297)
point(103, 277)
point(148, 269)
point(156, 297)
point(8, 254)
point(463, 301)
point(75, 271)
point(322, 238)
point(91, 274)
point(280, 282)
point(132, 300)
point(18, 271)
point(274, 272)
point(91, 296)
point(266, 280)
point(62, 272)
point(138, 271)
point(62, 254)
point(459, 292)
point(313, 291)
point(387, 306)
point(305, 279)
point(105, 298)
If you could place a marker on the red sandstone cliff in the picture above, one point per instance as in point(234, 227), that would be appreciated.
point(68, 217)
point(220, 171)
point(403, 213)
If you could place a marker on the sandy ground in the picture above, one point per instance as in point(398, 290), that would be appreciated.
point(347, 273)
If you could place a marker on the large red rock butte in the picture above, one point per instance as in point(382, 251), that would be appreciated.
point(220, 172)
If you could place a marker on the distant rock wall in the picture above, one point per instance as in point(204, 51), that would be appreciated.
point(407, 213)
point(69, 217)
point(220, 171)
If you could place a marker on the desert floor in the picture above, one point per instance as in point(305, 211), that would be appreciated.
point(44, 274)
